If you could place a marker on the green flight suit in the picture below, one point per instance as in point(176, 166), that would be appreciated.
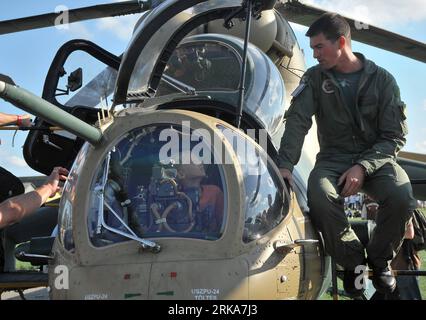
point(371, 136)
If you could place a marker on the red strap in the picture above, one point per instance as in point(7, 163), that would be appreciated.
point(19, 121)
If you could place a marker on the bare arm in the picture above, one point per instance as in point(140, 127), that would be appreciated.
point(14, 209)
point(22, 120)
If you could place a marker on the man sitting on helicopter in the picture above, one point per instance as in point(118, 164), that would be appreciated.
point(361, 128)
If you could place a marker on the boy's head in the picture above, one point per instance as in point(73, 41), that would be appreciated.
point(190, 174)
point(190, 171)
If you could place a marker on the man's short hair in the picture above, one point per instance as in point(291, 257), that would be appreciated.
point(332, 25)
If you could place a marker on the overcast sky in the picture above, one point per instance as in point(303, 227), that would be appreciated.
point(26, 56)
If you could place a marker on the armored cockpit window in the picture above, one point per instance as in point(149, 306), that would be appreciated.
point(266, 203)
point(65, 213)
point(156, 183)
point(201, 66)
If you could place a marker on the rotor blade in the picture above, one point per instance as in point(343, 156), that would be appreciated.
point(295, 11)
point(74, 15)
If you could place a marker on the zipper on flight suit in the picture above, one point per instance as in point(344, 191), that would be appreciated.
point(343, 102)
point(362, 82)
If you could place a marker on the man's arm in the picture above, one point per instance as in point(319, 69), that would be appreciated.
point(14, 209)
point(298, 122)
point(392, 129)
point(20, 120)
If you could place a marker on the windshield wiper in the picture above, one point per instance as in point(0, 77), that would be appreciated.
point(178, 85)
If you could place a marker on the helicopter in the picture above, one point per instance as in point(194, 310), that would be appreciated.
point(127, 226)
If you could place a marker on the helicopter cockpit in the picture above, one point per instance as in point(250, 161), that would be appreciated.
point(141, 190)
point(158, 181)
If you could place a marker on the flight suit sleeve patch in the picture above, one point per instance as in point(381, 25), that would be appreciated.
point(302, 85)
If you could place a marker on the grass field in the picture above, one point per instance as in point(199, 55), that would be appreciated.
point(24, 266)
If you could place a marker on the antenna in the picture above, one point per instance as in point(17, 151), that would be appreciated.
point(249, 7)
point(253, 8)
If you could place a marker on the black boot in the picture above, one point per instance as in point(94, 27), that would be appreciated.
point(383, 280)
point(350, 283)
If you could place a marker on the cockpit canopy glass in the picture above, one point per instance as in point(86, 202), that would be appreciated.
point(65, 212)
point(157, 182)
point(201, 66)
point(265, 196)
point(142, 67)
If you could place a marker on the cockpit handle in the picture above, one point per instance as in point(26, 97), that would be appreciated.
point(284, 247)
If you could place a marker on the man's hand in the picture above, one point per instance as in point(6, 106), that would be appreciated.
point(354, 180)
point(287, 175)
point(58, 174)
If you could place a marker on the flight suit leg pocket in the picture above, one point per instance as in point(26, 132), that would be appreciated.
point(388, 170)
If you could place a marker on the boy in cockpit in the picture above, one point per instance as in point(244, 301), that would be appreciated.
point(207, 199)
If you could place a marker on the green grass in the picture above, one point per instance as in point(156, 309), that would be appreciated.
point(25, 266)
point(328, 296)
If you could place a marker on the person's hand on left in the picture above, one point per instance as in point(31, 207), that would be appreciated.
point(353, 180)
point(57, 174)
